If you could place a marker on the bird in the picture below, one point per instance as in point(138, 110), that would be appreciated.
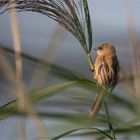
point(106, 73)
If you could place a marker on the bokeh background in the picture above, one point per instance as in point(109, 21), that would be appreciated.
point(43, 38)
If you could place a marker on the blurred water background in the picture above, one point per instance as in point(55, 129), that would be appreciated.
point(37, 31)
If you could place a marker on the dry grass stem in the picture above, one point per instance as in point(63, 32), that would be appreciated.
point(134, 48)
point(19, 81)
point(19, 73)
point(41, 129)
point(49, 54)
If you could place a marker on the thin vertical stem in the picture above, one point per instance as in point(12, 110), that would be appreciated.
point(134, 48)
point(42, 131)
point(19, 72)
point(109, 123)
point(91, 64)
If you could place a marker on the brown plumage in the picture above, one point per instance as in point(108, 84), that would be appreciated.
point(106, 73)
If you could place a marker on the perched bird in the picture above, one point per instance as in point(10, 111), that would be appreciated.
point(106, 73)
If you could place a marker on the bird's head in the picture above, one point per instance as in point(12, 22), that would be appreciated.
point(105, 49)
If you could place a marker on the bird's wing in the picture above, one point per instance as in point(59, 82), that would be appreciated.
point(115, 74)
point(103, 80)
point(103, 74)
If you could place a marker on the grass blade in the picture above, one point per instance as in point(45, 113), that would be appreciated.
point(34, 97)
point(57, 70)
point(88, 23)
point(109, 124)
point(74, 130)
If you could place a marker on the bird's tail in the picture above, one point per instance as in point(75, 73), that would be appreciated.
point(98, 100)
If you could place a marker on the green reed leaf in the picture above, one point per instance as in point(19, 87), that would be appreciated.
point(89, 26)
point(109, 124)
point(78, 129)
point(56, 70)
point(34, 97)
point(39, 95)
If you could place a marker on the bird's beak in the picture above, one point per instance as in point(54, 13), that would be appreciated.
point(96, 48)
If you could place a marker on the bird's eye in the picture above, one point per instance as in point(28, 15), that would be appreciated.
point(100, 48)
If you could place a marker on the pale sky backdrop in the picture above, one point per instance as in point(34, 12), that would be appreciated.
point(108, 20)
